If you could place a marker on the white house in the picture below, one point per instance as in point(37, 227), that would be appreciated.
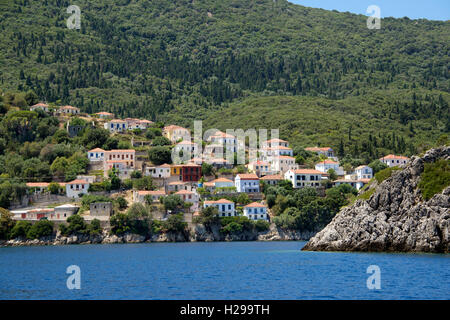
point(162, 171)
point(282, 164)
point(105, 115)
point(59, 213)
point(363, 172)
point(96, 155)
point(248, 183)
point(228, 141)
point(273, 143)
point(77, 187)
point(188, 148)
point(256, 211)
point(357, 184)
point(394, 161)
point(116, 126)
point(225, 207)
point(133, 123)
point(69, 110)
point(41, 106)
point(304, 178)
point(260, 168)
point(272, 180)
point(326, 151)
point(140, 196)
point(326, 165)
point(271, 152)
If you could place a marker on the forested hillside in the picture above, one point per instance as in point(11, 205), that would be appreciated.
point(182, 59)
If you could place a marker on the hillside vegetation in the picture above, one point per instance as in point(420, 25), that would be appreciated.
point(322, 77)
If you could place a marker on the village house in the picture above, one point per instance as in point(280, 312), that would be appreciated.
point(214, 150)
point(302, 178)
point(272, 180)
point(248, 183)
point(68, 110)
point(394, 161)
point(176, 133)
point(190, 172)
point(219, 163)
point(269, 153)
point(273, 143)
point(116, 126)
point(363, 172)
point(162, 171)
point(140, 196)
point(225, 207)
point(326, 151)
point(38, 187)
point(326, 165)
point(228, 141)
point(189, 196)
point(105, 115)
point(76, 188)
point(175, 186)
point(282, 164)
point(357, 184)
point(256, 211)
point(96, 155)
point(40, 106)
point(189, 149)
point(138, 124)
point(101, 209)
point(121, 160)
point(220, 185)
point(59, 213)
point(260, 168)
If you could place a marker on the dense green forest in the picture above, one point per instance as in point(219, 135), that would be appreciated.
point(322, 77)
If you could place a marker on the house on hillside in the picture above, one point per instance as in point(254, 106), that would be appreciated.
point(176, 133)
point(272, 180)
point(302, 178)
point(105, 115)
point(68, 110)
point(228, 141)
point(162, 171)
point(76, 188)
point(140, 196)
point(326, 151)
point(326, 165)
point(256, 211)
point(394, 161)
point(274, 143)
point(260, 168)
point(96, 155)
point(116, 126)
point(248, 183)
point(40, 106)
point(225, 207)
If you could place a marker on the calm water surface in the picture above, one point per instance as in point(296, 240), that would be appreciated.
point(238, 270)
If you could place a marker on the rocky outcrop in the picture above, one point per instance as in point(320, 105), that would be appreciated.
point(395, 218)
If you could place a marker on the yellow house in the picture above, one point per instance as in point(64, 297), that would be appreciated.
point(175, 170)
point(175, 133)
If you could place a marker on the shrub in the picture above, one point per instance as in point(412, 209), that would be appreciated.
point(122, 203)
point(385, 174)
point(435, 178)
point(42, 228)
point(174, 223)
point(20, 229)
point(262, 225)
point(6, 223)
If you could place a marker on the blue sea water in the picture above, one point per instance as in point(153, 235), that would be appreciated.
point(237, 270)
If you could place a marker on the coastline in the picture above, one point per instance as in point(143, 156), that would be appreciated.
point(196, 234)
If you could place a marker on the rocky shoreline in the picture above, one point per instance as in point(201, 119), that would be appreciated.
point(197, 233)
point(396, 218)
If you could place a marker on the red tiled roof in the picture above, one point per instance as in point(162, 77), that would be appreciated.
point(272, 177)
point(78, 181)
point(255, 205)
point(393, 156)
point(307, 171)
point(248, 176)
